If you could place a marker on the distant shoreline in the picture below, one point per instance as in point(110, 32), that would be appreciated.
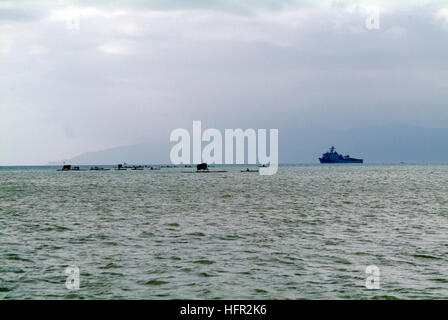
point(36, 166)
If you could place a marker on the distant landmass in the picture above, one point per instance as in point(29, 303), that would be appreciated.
point(379, 144)
point(145, 153)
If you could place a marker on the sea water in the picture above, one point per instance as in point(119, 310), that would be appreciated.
point(308, 232)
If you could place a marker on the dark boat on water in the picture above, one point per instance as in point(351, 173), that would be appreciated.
point(203, 168)
point(68, 167)
point(98, 169)
point(334, 157)
point(250, 170)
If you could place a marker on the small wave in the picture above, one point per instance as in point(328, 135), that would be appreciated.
point(196, 234)
point(74, 296)
point(57, 228)
point(175, 258)
point(15, 257)
point(204, 262)
point(260, 291)
point(424, 256)
point(110, 265)
point(441, 280)
point(173, 224)
point(206, 275)
point(385, 298)
point(155, 282)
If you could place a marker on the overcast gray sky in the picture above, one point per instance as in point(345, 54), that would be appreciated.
point(80, 76)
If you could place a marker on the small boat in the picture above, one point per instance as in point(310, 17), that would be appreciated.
point(78, 169)
point(207, 171)
point(203, 168)
point(249, 170)
point(67, 167)
point(98, 169)
point(131, 166)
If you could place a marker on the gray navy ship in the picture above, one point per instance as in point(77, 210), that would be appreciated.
point(334, 157)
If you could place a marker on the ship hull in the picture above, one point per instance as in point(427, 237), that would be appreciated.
point(341, 160)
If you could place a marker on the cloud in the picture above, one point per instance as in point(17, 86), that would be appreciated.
point(5, 40)
point(117, 48)
point(134, 70)
point(441, 18)
point(37, 50)
point(67, 13)
point(396, 32)
point(128, 29)
point(11, 14)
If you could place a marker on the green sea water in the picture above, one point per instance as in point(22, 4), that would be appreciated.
point(308, 232)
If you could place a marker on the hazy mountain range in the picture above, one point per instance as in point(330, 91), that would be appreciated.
point(380, 144)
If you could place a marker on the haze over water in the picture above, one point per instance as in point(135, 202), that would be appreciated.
point(307, 232)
